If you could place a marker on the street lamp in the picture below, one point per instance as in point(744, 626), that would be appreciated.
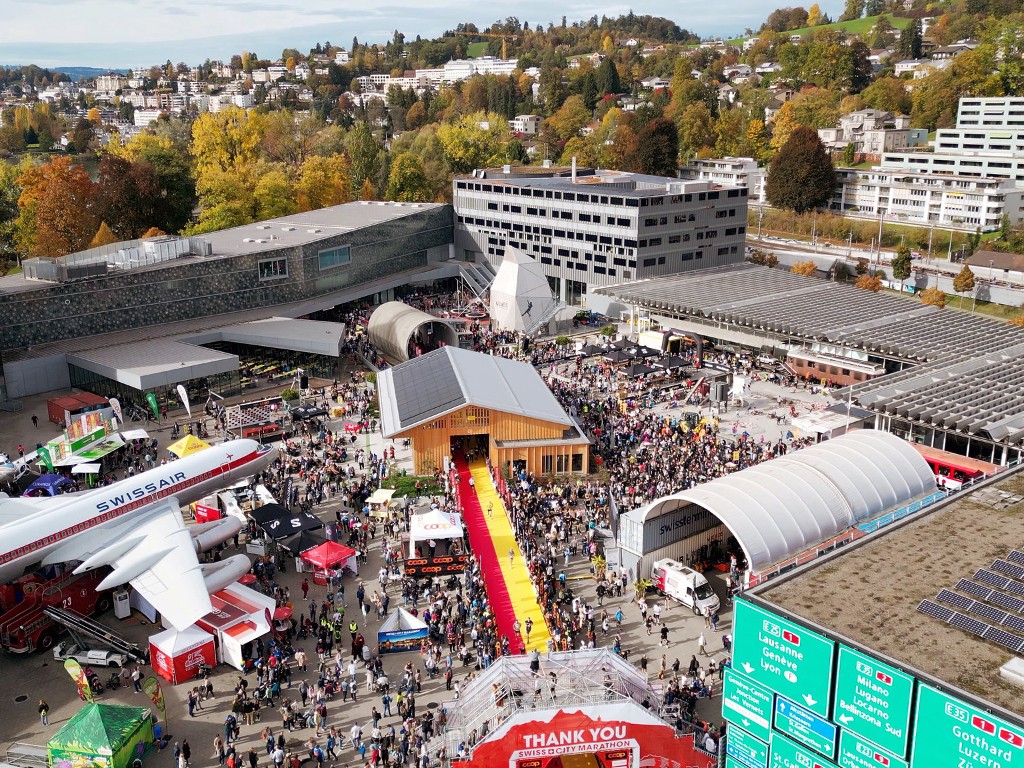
point(760, 218)
point(991, 271)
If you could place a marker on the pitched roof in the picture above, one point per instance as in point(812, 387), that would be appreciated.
point(449, 378)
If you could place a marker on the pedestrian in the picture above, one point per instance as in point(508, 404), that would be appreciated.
point(702, 644)
point(35, 421)
point(706, 612)
point(529, 626)
point(664, 635)
point(137, 679)
point(44, 712)
point(714, 620)
point(305, 589)
point(511, 554)
point(253, 757)
point(186, 751)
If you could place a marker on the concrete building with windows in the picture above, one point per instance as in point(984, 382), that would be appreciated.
point(729, 172)
point(872, 132)
point(922, 198)
point(139, 291)
point(592, 228)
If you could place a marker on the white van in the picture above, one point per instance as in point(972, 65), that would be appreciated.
point(681, 583)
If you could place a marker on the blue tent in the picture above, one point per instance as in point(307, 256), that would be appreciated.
point(49, 485)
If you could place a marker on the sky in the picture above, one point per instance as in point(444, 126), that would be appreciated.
point(115, 33)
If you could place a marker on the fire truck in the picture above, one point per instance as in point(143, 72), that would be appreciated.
point(24, 627)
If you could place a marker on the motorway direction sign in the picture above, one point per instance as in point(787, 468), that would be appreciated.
point(784, 656)
point(949, 733)
point(806, 727)
point(747, 704)
point(873, 700)
point(748, 750)
point(786, 754)
point(857, 752)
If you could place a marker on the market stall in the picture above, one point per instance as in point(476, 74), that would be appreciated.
point(380, 501)
point(279, 522)
point(102, 736)
point(49, 485)
point(179, 656)
point(426, 554)
point(328, 558)
point(240, 615)
point(401, 631)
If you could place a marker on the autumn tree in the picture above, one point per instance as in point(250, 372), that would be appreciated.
point(934, 296)
point(274, 194)
point(227, 140)
point(696, 129)
point(103, 236)
point(323, 181)
point(801, 176)
point(407, 181)
point(56, 207)
point(964, 280)
point(854, 9)
point(806, 268)
point(657, 150)
point(764, 258)
point(871, 283)
point(474, 141)
point(367, 191)
point(571, 118)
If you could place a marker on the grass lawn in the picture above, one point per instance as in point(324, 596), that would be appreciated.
point(476, 50)
point(854, 27)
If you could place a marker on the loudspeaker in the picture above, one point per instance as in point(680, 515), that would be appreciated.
point(303, 382)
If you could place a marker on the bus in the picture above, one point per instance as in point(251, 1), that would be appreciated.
point(952, 470)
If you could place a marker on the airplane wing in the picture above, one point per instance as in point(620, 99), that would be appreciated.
point(154, 552)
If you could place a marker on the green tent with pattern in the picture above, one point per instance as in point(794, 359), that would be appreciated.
point(102, 736)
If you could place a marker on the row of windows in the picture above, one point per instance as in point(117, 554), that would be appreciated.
point(334, 257)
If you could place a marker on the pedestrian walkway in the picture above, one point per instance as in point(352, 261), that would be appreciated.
point(509, 588)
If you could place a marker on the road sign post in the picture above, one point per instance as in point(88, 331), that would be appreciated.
point(873, 700)
point(949, 733)
point(805, 727)
point(783, 656)
point(747, 704)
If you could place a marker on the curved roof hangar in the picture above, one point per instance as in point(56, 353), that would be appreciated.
point(784, 506)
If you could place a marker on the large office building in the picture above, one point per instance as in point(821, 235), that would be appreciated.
point(593, 228)
point(79, 307)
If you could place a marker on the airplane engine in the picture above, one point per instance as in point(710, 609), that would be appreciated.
point(219, 575)
point(208, 535)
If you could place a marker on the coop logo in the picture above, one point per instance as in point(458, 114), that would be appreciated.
point(195, 659)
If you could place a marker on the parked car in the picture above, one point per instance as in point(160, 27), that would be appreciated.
point(89, 656)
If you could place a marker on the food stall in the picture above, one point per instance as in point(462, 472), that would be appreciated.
point(179, 656)
point(240, 615)
point(330, 557)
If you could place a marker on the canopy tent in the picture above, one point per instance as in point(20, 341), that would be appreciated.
point(328, 558)
point(48, 485)
point(625, 344)
point(637, 369)
point(134, 434)
point(279, 522)
point(401, 631)
point(618, 356)
point(178, 656)
point(102, 736)
point(307, 412)
point(671, 362)
point(94, 452)
point(85, 469)
point(591, 349)
point(381, 496)
point(433, 524)
point(646, 352)
point(299, 542)
point(188, 445)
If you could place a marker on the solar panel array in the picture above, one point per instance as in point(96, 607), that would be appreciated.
point(981, 597)
point(426, 387)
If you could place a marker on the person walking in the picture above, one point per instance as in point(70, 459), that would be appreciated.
point(702, 645)
point(511, 555)
point(35, 421)
point(44, 712)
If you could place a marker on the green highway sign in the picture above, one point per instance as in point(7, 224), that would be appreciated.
point(732, 762)
point(856, 752)
point(873, 699)
point(748, 750)
point(747, 704)
point(949, 733)
point(786, 754)
point(806, 727)
point(784, 656)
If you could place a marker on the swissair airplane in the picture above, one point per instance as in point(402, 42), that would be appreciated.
point(135, 527)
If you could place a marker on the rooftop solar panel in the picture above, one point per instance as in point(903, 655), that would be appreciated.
point(971, 588)
point(968, 624)
point(936, 611)
point(1009, 569)
point(1016, 556)
point(955, 599)
point(1009, 602)
point(996, 635)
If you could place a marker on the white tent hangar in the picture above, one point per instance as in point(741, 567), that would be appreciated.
point(520, 294)
point(785, 506)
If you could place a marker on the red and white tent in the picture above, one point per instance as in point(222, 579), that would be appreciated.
point(178, 656)
point(240, 615)
point(327, 557)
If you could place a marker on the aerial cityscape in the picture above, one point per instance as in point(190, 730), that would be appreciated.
point(380, 389)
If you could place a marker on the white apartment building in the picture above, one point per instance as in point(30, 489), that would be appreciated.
point(108, 85)
point(926, 199)
point(987, 142)
point(525, 124)
point(873, 132)
point(143, 117)
point(596, 228)
point(341, 56)
point(729, 172)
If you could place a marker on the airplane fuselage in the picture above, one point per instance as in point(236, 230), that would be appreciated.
point(30, 539)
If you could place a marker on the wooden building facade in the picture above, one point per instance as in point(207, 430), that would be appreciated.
point(491, 404)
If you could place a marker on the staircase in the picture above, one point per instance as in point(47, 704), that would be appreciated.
point(478, 276)
point(544, 319)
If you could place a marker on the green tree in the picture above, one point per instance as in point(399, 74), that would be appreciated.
point(696, 129)
point(274, 195)
point(365, 154)
point(407, 181)
point(901, 264)
point(474, 141)
point(854, 10)
point(910, 40)
point(608, 80)
point(849, 154)
point(801, 176)
point(657, 148)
